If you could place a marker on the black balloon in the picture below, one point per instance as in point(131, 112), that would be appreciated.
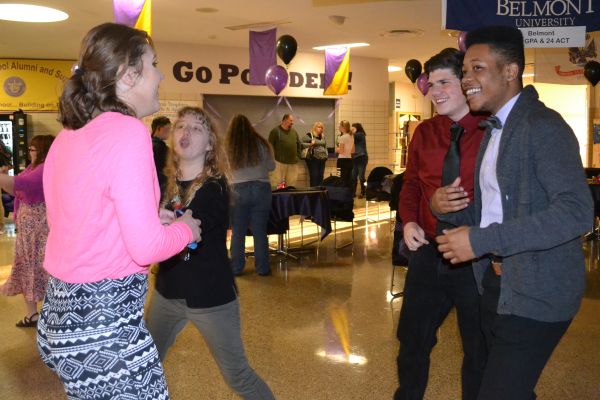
point(592, 72)
point(286, 48)
point(413, 70)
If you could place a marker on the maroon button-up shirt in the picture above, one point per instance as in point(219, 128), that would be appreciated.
point(423, 175)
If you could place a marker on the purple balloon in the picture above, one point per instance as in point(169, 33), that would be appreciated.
point(462, 45)
point(423, 83)
point(276, 78)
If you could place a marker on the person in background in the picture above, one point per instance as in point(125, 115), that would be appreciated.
point(251, 159)
point(317, 153)
point(532, 204)
point(28, 276)
point(161, 128)
point(286, 146)
point(102, 199)
point(360, 158)
point(198, 285)
point(433, 286)
point(5, 165)
point(344, 149)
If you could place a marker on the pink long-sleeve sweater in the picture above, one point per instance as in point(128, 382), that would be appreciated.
point(102, 199)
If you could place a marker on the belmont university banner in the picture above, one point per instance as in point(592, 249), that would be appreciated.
point(544, 23)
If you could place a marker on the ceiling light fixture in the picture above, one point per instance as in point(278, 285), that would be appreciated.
point(337, 46)
point(393, 68)
point(30, 13)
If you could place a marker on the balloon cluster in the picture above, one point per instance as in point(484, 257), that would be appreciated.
point(413, 67)
point(413, 70)
point(276, 76)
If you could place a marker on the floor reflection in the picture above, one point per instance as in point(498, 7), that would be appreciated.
point(322, 327)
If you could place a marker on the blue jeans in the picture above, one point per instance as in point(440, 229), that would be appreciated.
point(316, 170)
point(251, 207)
point(358, 171)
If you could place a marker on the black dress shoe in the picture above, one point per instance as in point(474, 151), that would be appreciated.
point(268, 273)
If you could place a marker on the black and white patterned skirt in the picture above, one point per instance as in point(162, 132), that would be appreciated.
point(94, 337)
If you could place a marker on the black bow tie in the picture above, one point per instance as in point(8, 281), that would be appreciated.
point(492, 122)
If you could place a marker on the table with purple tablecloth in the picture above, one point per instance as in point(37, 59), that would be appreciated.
point(311, 203)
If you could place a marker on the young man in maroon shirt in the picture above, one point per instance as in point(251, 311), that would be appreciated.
point(433, 286)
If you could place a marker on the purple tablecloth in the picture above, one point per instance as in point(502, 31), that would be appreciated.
point(313, 204)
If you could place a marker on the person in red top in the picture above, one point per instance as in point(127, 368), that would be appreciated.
point(433, 286)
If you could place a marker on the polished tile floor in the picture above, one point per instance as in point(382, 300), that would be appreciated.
point(322, 327)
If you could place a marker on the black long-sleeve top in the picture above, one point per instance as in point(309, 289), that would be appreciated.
point(206, 280)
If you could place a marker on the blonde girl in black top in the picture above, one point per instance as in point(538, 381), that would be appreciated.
point(198, 285)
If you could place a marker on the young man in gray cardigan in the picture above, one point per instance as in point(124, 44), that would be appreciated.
point(531, 206)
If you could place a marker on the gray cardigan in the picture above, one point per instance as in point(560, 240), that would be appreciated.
point(258, 172)
point(546, 206)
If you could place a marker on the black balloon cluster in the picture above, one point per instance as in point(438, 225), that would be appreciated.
point(276, 76)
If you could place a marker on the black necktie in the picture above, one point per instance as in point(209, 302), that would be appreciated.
point(492, 122)
point(451, 167)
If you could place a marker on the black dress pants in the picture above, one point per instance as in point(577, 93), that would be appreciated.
point(518, 347)
point(431, 289)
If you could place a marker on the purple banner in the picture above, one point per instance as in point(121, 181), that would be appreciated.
point(127, 11)
point(262, 54)
point(333, 59)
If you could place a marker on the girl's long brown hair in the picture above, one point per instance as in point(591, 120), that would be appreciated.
point(243, 143)
point(216, 164)
point(92, 87)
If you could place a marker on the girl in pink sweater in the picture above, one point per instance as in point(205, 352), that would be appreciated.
point(102, 202)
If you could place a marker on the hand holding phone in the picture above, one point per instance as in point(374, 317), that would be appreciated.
point(194, 224)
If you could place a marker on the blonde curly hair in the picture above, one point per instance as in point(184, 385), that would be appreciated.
point(216, 164)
